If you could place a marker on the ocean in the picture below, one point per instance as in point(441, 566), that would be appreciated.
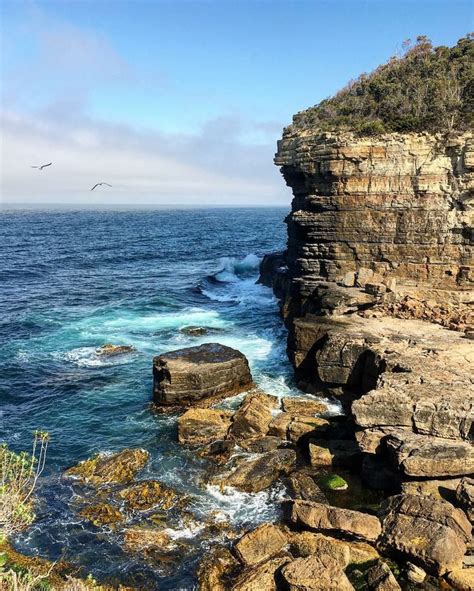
point(73, 281)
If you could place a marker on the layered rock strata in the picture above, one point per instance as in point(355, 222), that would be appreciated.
point(376, 289)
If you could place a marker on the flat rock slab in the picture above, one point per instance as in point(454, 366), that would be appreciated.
point(209, 371)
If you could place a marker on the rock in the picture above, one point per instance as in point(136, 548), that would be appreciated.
point(139, 538)
point(465, 496)
point(209, 371)
point(414, 573)
point(262, 543)
point(372, 441)
point(462, 579)
point(146, 494)
point(194, 331)
point(260, 473)
point(215, 570)
point(426, 531)
point(279, 425)
point(380, 578)
point(110, 350)
point(439, 489)
point(302, 486)
point(303, 406)
point(120, 467)
point(101, 514)
point(333, 519)
point(429, 457)
point(333, 453)
point(316, 573)
point(303, 427)
point(253, 417)
point(198, 426)
point(262, 577)
point(307, 543)
point(260, 445)
point(218, 451)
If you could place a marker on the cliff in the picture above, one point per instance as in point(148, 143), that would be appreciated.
point(377, 290)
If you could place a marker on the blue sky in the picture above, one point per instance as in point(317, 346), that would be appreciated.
point(198, 90)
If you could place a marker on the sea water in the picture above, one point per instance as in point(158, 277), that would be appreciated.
point(73, 281)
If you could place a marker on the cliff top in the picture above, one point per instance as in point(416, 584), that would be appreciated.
point(426, 89)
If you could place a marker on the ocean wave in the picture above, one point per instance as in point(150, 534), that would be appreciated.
point(232, 268)
point(88, 357)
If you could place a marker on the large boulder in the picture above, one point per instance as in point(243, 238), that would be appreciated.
point(346, 552)
point(301, 485)
point(465, 496)
point(185, 376)
point(462, 579)
point(198, 426)
point(116, 468)
point(426, 531)
point(262, 577)
point(316, 573)
point(260, 544)
point(335, 520)
point(421, 456)
point(253, 417)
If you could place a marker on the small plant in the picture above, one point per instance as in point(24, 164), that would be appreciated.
point(19, 473)
point(333, 482)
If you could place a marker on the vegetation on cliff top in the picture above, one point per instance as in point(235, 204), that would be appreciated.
point(425, 89)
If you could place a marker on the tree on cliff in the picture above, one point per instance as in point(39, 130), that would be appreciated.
point(425, 89)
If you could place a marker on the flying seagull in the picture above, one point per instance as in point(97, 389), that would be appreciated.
point(42, 166)
point(100, 184)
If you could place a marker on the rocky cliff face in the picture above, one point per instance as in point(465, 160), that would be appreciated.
point(397, 205)
point(377, 291)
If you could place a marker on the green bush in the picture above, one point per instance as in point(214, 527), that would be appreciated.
point(426, 89)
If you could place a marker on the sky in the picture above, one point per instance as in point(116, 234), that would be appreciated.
point(181, 102)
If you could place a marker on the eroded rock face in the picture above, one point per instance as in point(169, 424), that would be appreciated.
point(325, 518)
point(426, 531)
point(387, 207)
point(208, 371)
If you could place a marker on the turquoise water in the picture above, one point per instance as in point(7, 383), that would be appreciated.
point(77, 280)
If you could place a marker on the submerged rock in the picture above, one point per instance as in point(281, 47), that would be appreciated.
point(203, 425)
point(110, 350)
point(194, 331)
point(210, 371)
point(139, 538)
point(120, 467)
point(146, 494)
point(426, 531)
point(325, 518)
point(102, 514)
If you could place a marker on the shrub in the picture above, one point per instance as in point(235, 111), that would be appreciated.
point(19, 473)
point(425, 89)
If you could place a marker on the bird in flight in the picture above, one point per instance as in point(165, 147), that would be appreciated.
point(42, 166)
point(100, 184)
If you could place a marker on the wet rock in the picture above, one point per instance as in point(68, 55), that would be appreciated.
point(462, 579)
point(426, 531)
point(332, 453)
point(465, 496)
point(414, 573)
point(101, 514)
point(380, 578)
point(218, 451)
point(336, 520)
point(253, 417)
point(194, 331)
point(316, 573)
point(262, 543)
point(198, 426)
point(140, 538)
point(260, 445)
point(215, 570)
point(303, 406)
point(147, 494)
point(302, 486)
point(303, 427)
point(110, 350)
point(263, 577)
point(430, 457)
point(120, 467)
point(210, 371)
point(260, 473)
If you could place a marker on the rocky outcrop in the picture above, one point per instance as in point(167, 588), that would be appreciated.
point(209, 372)
point(116, 468)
